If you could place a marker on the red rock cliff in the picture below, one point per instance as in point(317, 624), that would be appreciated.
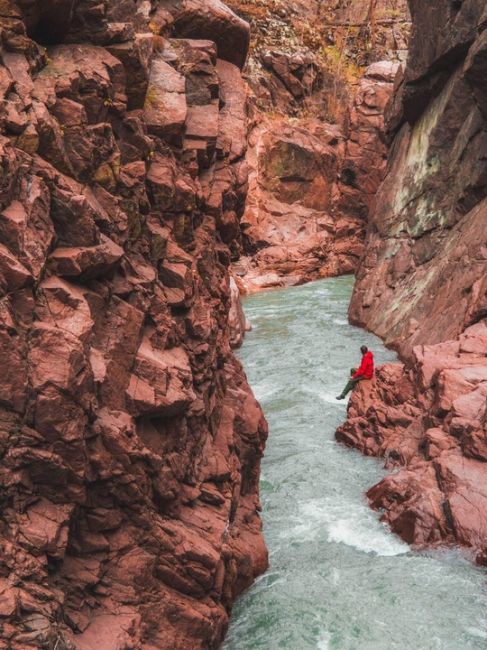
point(422, 286)
point(424, 278)
point(310, 187)
point(317, 152)
point(130, 441)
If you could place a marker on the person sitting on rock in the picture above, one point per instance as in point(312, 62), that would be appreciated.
point(366, 371)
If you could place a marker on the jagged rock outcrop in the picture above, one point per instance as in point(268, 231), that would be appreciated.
point(429, 420)
point(130, 441)
point(316, 146)
point(422, 286)
point(310, 188)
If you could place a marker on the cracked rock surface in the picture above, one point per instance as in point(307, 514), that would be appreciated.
point(422, 286)
point(130, 441)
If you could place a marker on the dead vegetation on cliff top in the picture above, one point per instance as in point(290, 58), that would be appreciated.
point(344, 37)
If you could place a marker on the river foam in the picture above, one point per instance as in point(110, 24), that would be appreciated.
point(365, 537)
point(338, 578)
point(345, 523)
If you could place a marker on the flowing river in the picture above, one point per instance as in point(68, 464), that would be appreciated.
point(338, 578)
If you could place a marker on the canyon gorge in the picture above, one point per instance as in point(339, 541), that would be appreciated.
point(320, 77)
point(159, 158)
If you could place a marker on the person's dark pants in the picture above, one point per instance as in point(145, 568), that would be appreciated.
point(351, 385)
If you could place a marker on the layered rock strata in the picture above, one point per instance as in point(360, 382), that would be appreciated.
point(422, 286)
point(130, 441)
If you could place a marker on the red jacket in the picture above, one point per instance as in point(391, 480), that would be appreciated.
point(366, 369)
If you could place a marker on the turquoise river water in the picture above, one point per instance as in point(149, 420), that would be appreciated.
point(338, 578)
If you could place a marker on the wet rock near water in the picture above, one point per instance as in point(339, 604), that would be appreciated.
point(429, 419)
point(130, 441)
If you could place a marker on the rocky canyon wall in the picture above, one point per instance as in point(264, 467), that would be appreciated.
point(422, 286)
point(423, 279)
point(130, 442)
point(310, 188)
point(317, 150)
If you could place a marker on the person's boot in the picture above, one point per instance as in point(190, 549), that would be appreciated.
point(340, 397)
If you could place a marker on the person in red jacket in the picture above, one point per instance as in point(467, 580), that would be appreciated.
point(366, 371)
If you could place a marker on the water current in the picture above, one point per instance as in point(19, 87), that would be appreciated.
point(338, 579)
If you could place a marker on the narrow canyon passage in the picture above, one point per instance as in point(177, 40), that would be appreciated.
point(338, 579)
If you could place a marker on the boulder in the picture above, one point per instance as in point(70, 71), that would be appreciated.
point(216, 22)
point(87, 262)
